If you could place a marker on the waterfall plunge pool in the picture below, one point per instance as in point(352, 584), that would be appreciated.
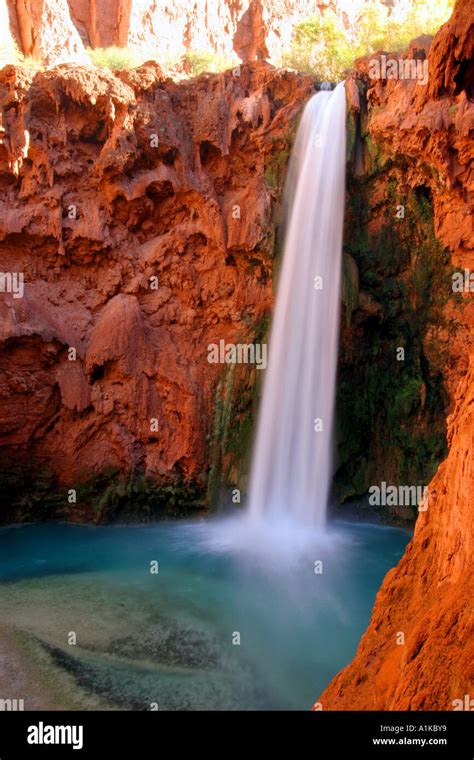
point(258, 612)
point(235, 617)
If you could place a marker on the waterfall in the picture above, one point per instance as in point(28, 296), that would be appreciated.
point(292, 458)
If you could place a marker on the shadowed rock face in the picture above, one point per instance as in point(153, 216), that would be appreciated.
point(425, 134)
point(142, 214)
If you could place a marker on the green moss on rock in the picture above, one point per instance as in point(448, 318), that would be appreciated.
point(350, 285)
point(391, 410)
point(275, 169)
point(235, 414)
point(32, 493)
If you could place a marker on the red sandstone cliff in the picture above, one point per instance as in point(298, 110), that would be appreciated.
point(43, 30)
point(57, 31)
point(426, 138)
point(108, 183)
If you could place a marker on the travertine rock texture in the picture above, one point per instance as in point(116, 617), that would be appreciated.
point(142, 215)
point(424, 137)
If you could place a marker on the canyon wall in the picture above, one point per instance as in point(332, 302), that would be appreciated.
point(142, 215)
point(59, 31)
point(418, 651)
point(409, 226)
point(43, 30)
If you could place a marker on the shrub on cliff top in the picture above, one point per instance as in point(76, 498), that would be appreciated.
point(10, 53)
point(325, 47)
point(115, 58)
point(196, 62)
point(193, 63)
point(320, 46)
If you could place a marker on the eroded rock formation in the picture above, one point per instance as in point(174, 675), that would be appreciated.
point(423, 137)
point(44, 30)
point(142, 215)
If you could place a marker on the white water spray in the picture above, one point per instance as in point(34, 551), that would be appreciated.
point(292, 460)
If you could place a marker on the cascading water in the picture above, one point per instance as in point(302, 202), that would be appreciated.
point(172, 638)
point(291, 467)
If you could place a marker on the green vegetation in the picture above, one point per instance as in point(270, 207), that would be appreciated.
point(275, 169)
point(235, 413)
point(391, 411)
point(28, 492)
point(138, 497)
point(320, 46)
point(33, 493)
point(10, 53)
point(197, 62)
point(350, 285)
point(193, 63)
point(324, 48)
point(115, 58)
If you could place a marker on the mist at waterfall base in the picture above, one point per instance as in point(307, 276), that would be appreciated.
point(257, 611)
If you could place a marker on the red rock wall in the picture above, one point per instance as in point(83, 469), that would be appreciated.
point(57, 31)
point(102, 23)
point(76, 138)
point(428, 596)
point(44, 30)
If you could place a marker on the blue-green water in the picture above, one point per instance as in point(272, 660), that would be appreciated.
point(231, 620)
